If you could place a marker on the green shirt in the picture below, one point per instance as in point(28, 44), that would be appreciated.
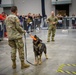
point(51, 20)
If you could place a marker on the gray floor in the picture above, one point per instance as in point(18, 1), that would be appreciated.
point(62, 51)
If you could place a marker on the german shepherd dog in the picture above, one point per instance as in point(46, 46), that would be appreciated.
point(39, 48)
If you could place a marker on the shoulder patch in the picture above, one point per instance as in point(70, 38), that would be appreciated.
point(17, 20)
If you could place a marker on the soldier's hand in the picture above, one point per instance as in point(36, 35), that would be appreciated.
point(54, 22)
point(28, 32)
point(47, 21)
point(25, 31)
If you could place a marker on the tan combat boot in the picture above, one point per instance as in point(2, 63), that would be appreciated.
point(23, 65)
point(53, 39)
point(48, 40)
point(14, 64)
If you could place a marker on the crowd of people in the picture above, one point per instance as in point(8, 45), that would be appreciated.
point(29, 22)
point(32, 21)
point(61, 21)
point(2, 18)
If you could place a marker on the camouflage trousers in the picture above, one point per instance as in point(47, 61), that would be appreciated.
point(17, 44)
point(51, 32)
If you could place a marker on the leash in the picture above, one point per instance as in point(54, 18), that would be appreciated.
point(26, 51)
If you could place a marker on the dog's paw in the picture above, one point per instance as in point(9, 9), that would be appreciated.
point(46, 56)
point(40, 62)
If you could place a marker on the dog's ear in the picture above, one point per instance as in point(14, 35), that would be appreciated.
point(40, 40)
point(35, 35)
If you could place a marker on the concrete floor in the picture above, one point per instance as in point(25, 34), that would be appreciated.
point(62, 51)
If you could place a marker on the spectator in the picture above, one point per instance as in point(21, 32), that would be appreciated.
point(2, 16)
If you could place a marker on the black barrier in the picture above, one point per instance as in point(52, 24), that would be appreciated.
point(60, 24)
point(36, 22)
point(74, 22)
point(1, 30)
point(69, 22)
point(65, 22)
point(25, 25)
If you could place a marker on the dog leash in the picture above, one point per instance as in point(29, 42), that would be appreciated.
point(26, 51)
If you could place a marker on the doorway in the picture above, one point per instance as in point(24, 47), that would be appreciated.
point(7, 10)
point(62, 9)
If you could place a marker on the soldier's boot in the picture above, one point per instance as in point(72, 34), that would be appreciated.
point(52, 39)
point(23, 65)
point(48, 40)
point(14, 64)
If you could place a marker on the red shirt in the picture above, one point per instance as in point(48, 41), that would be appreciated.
point(1, 17)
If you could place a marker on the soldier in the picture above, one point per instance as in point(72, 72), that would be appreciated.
point(15, 31)
point(52, 21)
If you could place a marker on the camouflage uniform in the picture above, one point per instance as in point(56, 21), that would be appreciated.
point(51, 27)
point(15, 31)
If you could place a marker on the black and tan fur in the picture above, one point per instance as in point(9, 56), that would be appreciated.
point(39, 48)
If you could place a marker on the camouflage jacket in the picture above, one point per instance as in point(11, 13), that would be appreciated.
point(14, 30)
point(50, 21)
point(28, 20)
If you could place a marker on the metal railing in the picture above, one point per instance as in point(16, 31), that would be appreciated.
point(1, 30)
point(67, 22)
